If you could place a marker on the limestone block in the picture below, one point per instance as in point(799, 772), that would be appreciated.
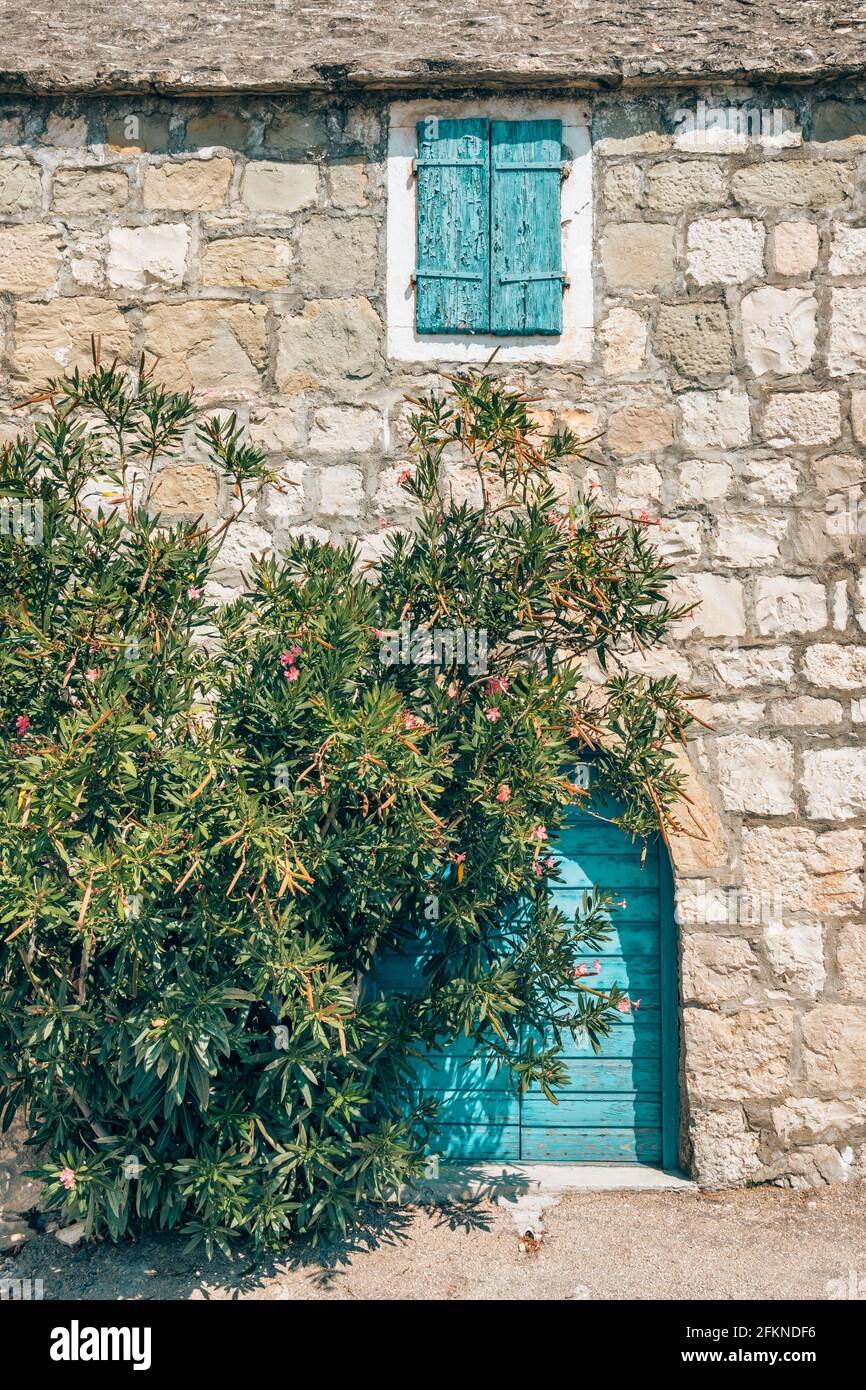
point(725, 1149)
point(338, 253)
point(784, 604)
point(674, 186)
point(623, 333)
point(702, 480)
point(622, 187)
point(834, 783)
point(138, 132)
point(284, 501)
point(346, 429)
point(721, 612)
point(771, 480)
point(269, 187)
point(805, 711)
point(716, 419)
point(640, 429)
point(795, 951)
point(638, 487)
point(851, 960)
point(696, 338)
point(779, 329)
point(829, 664)
point(834, 1047)
point(638, 255)
point(792, 183)
point(251, 262)
point(64, 132)
point(274, 428)
point(243, 540)
point(341, 490)
point(297, 132)
point(848, 250)
point(89, 192)
point(20, 186)
point(348, 181)
point(747, 541)
point(216, 346)
point(716, 968)
point(725, 251)
point(847, 350)
point(802, 417)
point(55, 337)
point(217, 128)
point(141, 257)
point(29, 257)
point(756, 774)
point(739, 1055)
point(189, 488)
point(805, 1120)
point(795, 248)
point(330, 340)
point(189, 185)
point(811, 871)
point(742, 667)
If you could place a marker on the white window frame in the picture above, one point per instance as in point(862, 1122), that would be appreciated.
point(574, 343)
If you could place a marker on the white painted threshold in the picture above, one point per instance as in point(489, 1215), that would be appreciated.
point(507, 1181)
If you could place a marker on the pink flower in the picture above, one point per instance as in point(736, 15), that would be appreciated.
point(459, 858)
point(193, 591)
point(504, 793)
point(624, 1005)
point(289, 657)
point(92, 674)
point(622, 903)
point(496, 685)
point(67, 1178)
point(453, 690)
point(592, 485)
point(580, 970)
point(596, 967)
point(404, 476)
point(412, 721)
point(22, 723)
point(378, 633)
point(539, 832)
point(492, 714)
point(550, 863)
point(384, 523)
point(538, 871)
point(291, 673)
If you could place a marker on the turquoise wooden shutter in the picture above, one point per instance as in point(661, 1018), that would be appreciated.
point(453, 270)
point(526, 241)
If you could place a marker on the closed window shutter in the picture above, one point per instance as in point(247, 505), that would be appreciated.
point(453, 270)
point(526, 242)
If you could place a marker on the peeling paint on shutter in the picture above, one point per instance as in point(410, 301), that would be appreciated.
point(526, 240)
point(453, 270)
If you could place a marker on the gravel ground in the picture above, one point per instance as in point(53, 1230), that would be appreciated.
point(760, 1243)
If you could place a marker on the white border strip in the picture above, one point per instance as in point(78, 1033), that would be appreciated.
point(574, 344)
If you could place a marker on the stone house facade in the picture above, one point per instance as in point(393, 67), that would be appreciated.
point(231, 213)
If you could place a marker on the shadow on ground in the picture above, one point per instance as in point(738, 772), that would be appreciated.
point(159, 1266)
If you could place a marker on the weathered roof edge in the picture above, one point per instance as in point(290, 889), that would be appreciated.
point(412, 76)
point(181, 47)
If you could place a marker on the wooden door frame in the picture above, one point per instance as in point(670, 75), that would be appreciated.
point(670, 1013)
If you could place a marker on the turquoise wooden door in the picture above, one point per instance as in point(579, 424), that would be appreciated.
point(619, 1106)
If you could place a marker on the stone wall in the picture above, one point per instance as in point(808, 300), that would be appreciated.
point(243, 242)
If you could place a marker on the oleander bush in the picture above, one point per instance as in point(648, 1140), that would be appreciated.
point(216, 821)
